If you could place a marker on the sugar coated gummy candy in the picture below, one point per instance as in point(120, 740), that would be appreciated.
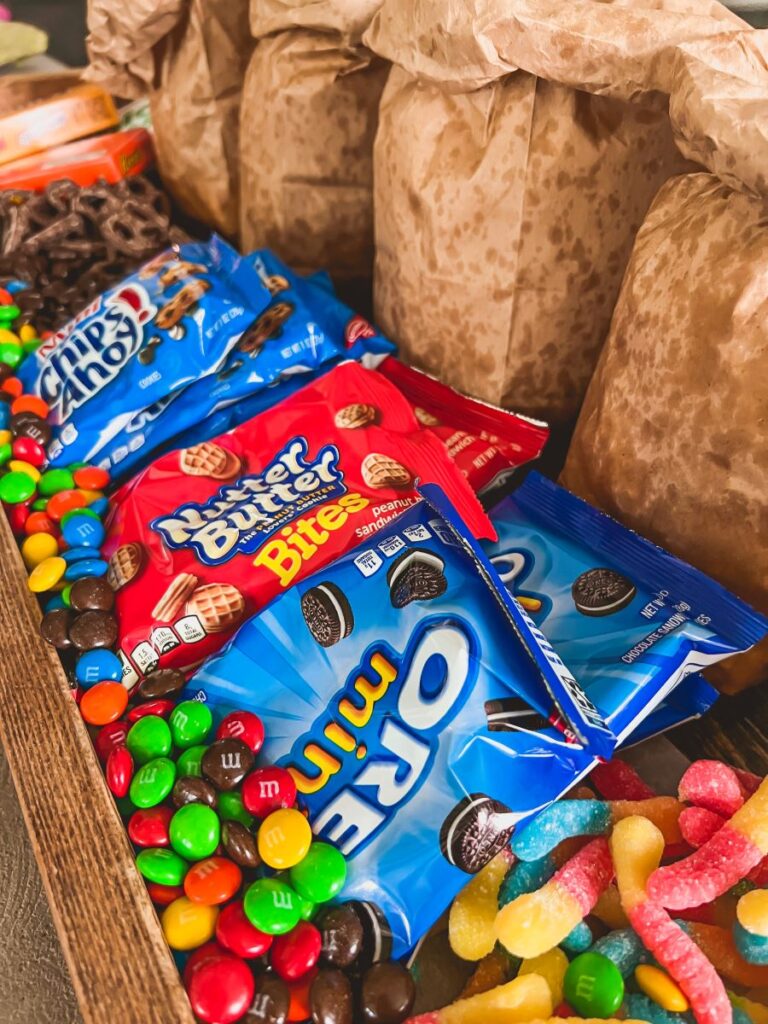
point(712, 785)
point(518, 1002)
point(624, 948)
point(535, 922)
point(750, 929)
point(639, 1005)
point(579, 939)
point(637, 846)
point(698, 825)
point(491, 971)
point(551, 966)
point(617, 780)
point(559, 821)
point(719, 947)
point(720, 863)
point(472, 915)
point(526, 876)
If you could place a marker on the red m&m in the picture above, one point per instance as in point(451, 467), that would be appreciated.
point(268, 789)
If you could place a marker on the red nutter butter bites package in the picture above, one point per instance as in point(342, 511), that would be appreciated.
point(208, 535)
point(487, 443)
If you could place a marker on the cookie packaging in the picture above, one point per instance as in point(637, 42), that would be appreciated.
point(209, 534)
point(178, 315)
point(422, 714)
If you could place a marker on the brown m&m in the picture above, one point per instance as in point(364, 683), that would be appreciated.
point(227, 762)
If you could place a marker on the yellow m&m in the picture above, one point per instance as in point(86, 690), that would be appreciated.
point(187, 925)
point(659, 987)
point(46, 575)
point(284, 838)
point(37, 547)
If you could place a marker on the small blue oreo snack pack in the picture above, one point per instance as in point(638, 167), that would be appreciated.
point(169, 324)
point(421, 713)
point(624, 614)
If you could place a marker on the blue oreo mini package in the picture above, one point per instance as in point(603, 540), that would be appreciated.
point(165, 327)
point(303, 331)
point(419, 714)
point(629, 619)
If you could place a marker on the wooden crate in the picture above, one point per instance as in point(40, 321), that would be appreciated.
point(121, 967)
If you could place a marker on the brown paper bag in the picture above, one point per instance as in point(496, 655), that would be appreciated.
point(506, 200)
point(309, 117)
point(196, 110)
point(672, 438)
point(190, 56)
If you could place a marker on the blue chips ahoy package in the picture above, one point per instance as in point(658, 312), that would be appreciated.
point(630, 620)
point(303, 331)
point(168, 325)
point(422, 714)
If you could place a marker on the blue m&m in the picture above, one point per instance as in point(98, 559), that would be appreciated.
point(83, 531)
point(98, 666)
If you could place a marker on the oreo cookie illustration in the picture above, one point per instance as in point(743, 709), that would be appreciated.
point(475, 831)
point(602, 592)
point(327, 613)
point(416, 575)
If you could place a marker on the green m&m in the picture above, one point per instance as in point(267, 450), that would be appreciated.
point(231, 808)
point(190, 723)
point(272, 906)
point(16, 487)
point(321, 874)
point(162, 866)
point(593, 985)
point(153, 782)
point(149, 738)
point(188, 761)
point(55, 480)
point(195, 831)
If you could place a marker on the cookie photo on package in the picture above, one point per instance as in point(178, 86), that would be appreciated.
point(166, 326)
point(207, 535)
point(302, 332)
point(488, 444)
point(420, 717)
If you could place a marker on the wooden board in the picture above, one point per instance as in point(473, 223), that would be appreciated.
point(121, 967)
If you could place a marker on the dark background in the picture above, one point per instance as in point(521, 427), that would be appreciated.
point(63, 20)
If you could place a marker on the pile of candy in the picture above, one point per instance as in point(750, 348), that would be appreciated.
point(225, 850)
point(630, 906)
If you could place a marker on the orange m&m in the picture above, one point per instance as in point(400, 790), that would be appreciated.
point(30, 403)
point(62, 502)
point(91, 478)
point(104, 703)
point(212, 881)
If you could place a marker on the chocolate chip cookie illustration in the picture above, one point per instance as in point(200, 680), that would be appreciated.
point(266, 328)
point(382, 471)
point(156, 264)
point(475, 831)
point(276, 283)
point(602, 592)
point(179, 270)
point(355, 416)
point(208, 459)
point(125, 564)
point(327, 613)
point(416, 575)
point(183, 303)
point(218, 606)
